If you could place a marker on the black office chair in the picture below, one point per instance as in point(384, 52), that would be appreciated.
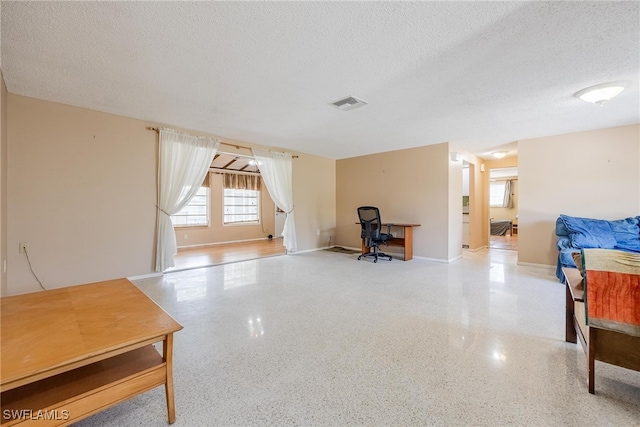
point(372, 232)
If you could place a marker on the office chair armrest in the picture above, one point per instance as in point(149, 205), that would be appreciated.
point(389, 228)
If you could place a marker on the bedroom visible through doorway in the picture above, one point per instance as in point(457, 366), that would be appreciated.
point(503, 208)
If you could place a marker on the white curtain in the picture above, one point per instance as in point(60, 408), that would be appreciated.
point(507, 201)
point(183, 164)
point(275, 169)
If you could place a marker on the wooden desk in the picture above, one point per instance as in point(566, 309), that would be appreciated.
point(405, 242)
point(71, 352)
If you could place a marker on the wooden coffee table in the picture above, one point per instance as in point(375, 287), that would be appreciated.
point(71, 352)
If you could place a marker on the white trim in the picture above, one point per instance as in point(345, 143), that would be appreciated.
point(532, 264)
point(179, 269)
point(444, 261)
point(477, 249)
point(348, 247)
point(309, 250)
point(145, 276)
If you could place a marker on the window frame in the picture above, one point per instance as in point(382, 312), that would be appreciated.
point(207, 210)
point(493, 184)
point(258, 205)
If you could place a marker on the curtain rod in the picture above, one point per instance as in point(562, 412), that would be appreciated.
point(237, 172)
point(238, 146)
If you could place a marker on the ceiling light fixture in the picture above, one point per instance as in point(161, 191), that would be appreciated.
point(599, 94)
point(499, 154)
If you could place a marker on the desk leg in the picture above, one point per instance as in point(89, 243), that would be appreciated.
point(408, 243)
point(365, 248)
point(167, 351)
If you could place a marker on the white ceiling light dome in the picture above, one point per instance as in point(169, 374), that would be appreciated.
point(599, 94)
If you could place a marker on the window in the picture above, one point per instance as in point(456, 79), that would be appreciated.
point(496, 194)
point(241, 206)
point(196, 212)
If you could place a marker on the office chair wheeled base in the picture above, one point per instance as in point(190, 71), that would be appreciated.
point(375, 254)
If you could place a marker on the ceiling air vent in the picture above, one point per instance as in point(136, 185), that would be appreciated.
point(348, 103)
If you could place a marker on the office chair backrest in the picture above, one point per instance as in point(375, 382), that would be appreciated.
point(370, 222)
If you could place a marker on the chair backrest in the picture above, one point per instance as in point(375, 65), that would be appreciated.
point(370, 222)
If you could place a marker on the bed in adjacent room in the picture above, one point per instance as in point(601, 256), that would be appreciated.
point(501, 227)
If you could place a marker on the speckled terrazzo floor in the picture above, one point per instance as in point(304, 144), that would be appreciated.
point(321, 339)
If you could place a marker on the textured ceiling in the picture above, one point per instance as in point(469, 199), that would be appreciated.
point(478, 74)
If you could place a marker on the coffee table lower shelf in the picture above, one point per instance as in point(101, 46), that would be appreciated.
point(71, 396)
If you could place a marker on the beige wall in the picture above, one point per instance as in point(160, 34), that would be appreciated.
point(3, 185)
point(592, 174)
point(454, 221)
point(409, 186)
point(82, 194)
point(314, 199)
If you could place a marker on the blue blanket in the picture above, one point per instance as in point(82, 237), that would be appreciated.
point(575, 233)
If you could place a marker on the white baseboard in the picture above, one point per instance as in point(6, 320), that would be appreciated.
point(477, 249)
point(348, 247)
point(532, 264)
point(145, 276)
point(311, 250)
point(440, 260)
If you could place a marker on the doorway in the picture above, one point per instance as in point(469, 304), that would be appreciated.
point(465, 204)
point(503, 208)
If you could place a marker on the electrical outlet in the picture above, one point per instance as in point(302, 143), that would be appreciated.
point(317, 232)
point(22, 247)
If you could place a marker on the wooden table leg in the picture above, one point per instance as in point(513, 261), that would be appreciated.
point(408, 243)
point(570, 330)
point(167, 351)
point(365, 249)
point(591, 363)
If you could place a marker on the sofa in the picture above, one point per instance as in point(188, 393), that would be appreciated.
point(576, 233)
